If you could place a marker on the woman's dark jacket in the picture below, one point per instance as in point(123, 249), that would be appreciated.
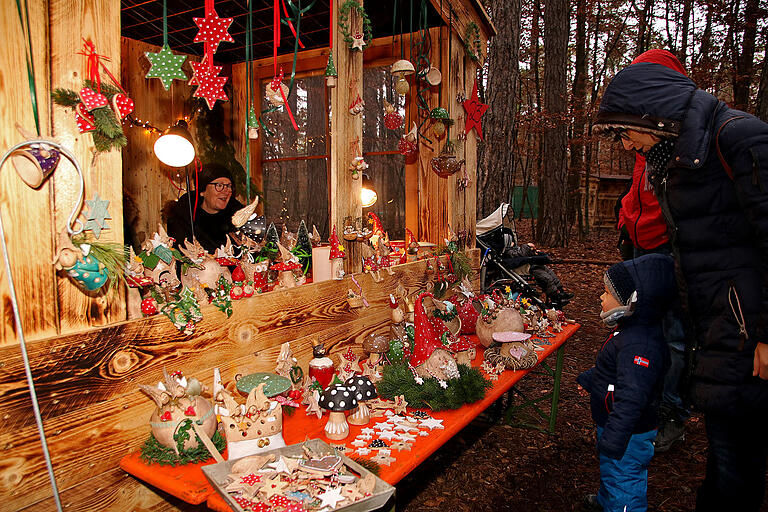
point(718, 225)
point(210, 229)
point(626, 382)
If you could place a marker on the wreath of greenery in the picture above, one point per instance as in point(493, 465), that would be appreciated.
point(472, 43)
point(153, 451)
point(344, 12)
point(398, 380)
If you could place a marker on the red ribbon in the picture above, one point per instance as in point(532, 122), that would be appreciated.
point(92, 63)
point(290, 25)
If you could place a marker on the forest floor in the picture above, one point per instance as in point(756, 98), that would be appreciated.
point(490, 466)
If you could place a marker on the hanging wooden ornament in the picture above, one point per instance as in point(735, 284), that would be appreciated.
point(165, 65)
point(213, 29)
point(331, 75)
point(276, 91)
point(408, 146)
point(475, 111)
point(392, 119)
point(358, 163)
point(351, 14)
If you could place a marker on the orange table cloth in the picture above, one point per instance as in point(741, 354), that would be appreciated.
point(299, 426)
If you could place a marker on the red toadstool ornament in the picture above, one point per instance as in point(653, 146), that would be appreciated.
point(289, 263)
point(336, 256)
point(149, 306)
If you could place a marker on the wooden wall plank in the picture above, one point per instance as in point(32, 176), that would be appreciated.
point(94, 412)
point(239, 118)
point(435, 207)
point(463, 72)
point(146, 181)
point(98, 21)
point(26, 212)
point(113, 490)
point(463, 12)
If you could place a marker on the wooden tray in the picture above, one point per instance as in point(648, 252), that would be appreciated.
point(217, 474)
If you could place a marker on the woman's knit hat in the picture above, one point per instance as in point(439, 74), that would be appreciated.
point(213, 172)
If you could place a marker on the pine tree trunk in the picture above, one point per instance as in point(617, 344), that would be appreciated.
point(578, 112)
point(496, 158)
point(552, 226)
point(744, 60)
point(761, 108)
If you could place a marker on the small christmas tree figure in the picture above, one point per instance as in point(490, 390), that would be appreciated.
point(303, 247)
point(272, 235)
point(331, 75)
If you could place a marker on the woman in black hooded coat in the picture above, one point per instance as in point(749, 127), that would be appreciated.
point(710, 174)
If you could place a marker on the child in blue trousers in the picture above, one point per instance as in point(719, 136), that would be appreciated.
point(626, 382)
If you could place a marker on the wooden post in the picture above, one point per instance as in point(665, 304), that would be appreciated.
point(71, 22)
point(345, 128)
point(26, 212)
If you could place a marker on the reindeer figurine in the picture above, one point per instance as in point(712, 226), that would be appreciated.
point(204, 274)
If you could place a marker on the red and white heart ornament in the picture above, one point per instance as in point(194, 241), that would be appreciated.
point(122, 105)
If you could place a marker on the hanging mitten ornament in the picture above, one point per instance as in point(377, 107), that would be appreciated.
point(92, 99)
point(85, 120)
point(392, 119)
point(122, 105)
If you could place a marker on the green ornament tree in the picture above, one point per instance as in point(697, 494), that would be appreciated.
point(303, 247)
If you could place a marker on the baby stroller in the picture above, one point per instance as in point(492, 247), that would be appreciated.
point(495, 234)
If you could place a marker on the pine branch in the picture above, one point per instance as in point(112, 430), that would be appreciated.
point(106, 89)
point(106, 122)
point(65, 97)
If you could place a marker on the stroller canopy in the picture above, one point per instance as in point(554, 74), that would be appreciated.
point(492, 221)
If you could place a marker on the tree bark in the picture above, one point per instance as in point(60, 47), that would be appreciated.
point(552, 224)
point(578, 112)
point(496, 158)
point(744, 60)
point(761, 107)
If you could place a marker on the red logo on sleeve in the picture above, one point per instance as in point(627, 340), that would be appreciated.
point(642, 361)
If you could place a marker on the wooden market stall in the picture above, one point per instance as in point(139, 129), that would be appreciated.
point(86, 355)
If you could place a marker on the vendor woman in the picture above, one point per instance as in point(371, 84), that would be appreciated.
point(209, 209)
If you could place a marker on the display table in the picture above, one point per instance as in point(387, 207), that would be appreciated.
point(299, 426)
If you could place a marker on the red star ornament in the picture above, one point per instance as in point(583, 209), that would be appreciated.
point(211, 88)
point(201, 68)
point(475, 111)
point(213, 29)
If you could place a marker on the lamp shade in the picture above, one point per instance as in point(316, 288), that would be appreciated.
point(174, 147)
point(368, 194)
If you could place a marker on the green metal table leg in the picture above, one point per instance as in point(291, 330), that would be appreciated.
point(556, 388)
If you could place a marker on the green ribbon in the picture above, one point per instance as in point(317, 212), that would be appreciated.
point(30, 63)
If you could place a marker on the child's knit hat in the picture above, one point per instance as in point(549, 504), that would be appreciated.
point(619, 283)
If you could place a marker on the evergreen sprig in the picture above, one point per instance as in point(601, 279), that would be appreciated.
point(65, 97)
point(154, 452)
point(108, 134)
point(398, 380)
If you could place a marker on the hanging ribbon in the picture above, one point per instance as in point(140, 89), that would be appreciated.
point(30, 63)
point(287, 21)
point(248, 100)
point(198, 168)
point(92, 63)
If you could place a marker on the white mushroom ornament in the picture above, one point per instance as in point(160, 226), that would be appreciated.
point(364, 390)
point(338, 399)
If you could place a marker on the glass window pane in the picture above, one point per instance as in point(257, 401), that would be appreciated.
point(380, 87)
point(307, 102)
point(387, 172)
point(296, 190)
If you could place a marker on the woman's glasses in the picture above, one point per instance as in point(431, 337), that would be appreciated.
point(221, 186)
